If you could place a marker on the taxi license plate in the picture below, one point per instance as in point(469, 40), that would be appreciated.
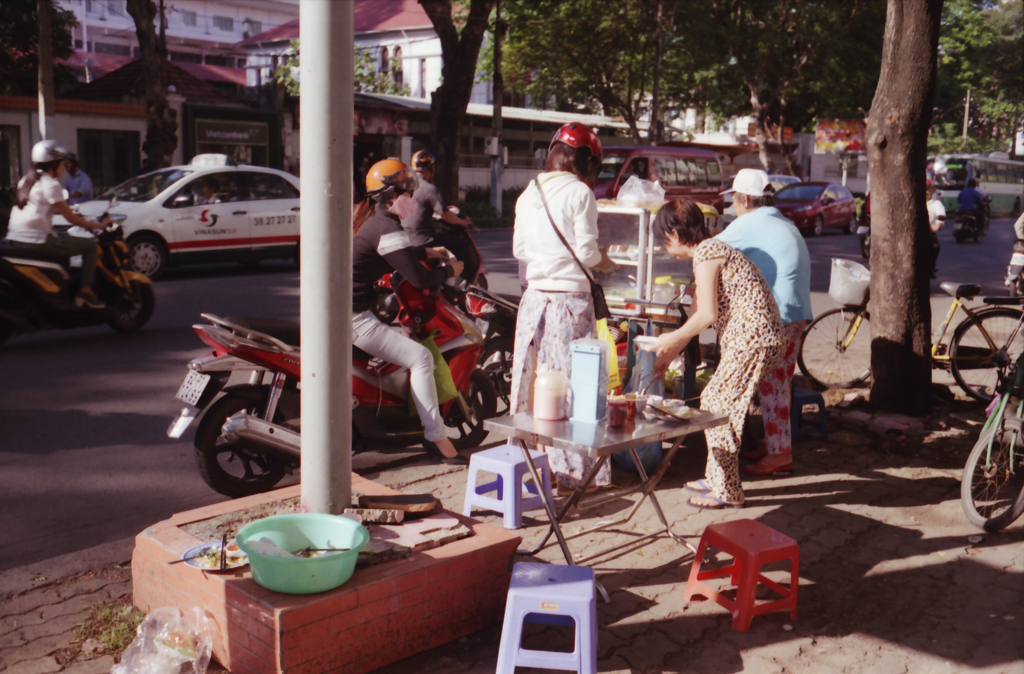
point(192, 388)
point(863, 230)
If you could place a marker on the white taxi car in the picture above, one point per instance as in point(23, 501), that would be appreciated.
point(207, 211)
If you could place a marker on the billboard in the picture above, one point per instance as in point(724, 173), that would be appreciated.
point(840, 135)
point(773, 129)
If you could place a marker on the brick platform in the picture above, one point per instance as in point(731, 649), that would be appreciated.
point(384, 614)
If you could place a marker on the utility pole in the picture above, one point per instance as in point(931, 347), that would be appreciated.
point(47, 121)
point(967, 114)
point(325, 298)
point(654, 132)
point(163, 31)
point(498, 90)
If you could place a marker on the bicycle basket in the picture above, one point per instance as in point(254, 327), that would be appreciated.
point(850, 282)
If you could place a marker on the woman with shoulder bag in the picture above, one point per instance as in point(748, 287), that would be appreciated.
point(556, 238)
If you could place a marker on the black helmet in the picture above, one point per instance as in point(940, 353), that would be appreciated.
point(423, 161)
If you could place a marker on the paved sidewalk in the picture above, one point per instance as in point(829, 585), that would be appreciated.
point(893, 579)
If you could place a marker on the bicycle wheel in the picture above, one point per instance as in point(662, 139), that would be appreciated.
point(992, 488)
point(836, 349)
point(976, 366)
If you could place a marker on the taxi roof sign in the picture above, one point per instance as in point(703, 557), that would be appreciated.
point(212, 160)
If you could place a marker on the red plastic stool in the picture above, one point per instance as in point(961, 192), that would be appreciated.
point(752, 545)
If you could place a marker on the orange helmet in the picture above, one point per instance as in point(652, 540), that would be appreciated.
point(387, 176)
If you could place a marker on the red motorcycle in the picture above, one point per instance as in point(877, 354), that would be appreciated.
point(249, 438)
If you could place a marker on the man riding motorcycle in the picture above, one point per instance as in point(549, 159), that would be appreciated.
point(380, 246)
point(430, 207)
point(972, 200)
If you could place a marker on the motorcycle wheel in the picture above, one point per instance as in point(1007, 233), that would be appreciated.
point(133, 312)
point(483, 402)
point(1016, 289)
point(496, 362)
point(865, 247)
point(228, 468)
point(959, 237)
point(851, 225)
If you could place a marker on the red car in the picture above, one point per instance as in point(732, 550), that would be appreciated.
point(814, 206)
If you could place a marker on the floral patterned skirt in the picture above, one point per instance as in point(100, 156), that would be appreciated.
point(548, 322)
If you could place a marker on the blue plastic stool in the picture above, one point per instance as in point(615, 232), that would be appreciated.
point(550, 594)
point(801, 397)
point(508, 464)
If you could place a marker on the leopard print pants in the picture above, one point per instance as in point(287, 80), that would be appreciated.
point(736, 379)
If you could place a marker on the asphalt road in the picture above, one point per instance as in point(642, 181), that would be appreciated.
point(84, 458)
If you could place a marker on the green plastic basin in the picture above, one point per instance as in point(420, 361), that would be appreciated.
point(301, 531)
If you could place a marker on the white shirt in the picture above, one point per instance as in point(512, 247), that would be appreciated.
point(549, 265)
point(34, 222)
point(935, 211)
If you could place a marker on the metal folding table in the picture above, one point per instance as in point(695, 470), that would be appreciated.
point(600, 442)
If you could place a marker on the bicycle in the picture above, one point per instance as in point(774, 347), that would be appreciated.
point(836, 348)
point(992, 485)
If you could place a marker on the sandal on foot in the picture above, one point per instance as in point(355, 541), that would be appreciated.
point(434, 450)
point(700, 486)
point(756, 454)
point(718, 504)
point(764, 468)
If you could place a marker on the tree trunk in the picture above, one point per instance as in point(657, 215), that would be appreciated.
point(162, 126)
point(897, 133)
point(654, 131)
point(458, 72)
point(761, 127)
point(791, 168)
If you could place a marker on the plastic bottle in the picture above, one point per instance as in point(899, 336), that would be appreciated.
point(550, 396)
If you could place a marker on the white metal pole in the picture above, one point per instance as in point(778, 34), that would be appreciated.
point(326, 252)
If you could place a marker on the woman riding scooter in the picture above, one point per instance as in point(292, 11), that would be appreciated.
point(380, 246)
point(39, 196)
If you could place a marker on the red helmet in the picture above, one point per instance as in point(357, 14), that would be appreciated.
point(577, 135)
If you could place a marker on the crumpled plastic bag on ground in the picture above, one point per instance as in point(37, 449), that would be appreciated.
point(638, 192)
point(169, 642)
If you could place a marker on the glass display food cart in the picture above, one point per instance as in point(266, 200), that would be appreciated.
point(642, 282)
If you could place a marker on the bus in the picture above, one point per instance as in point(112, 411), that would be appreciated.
point(997, 176)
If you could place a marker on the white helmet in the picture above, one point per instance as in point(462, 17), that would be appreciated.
point(47, 151)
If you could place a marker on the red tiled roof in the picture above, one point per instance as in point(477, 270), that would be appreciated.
point(126, 82)
point(99, 64)
point(215, 73)
point(71, 106)
point(370, 15)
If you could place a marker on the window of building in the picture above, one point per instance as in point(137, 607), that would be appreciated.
point(225, 23)
point(108, 48)
point(253, 27)
point(226, 61)
point(10, 155)
point(185, 57)
point(188, 18)
point(384, 64)
point(399, 76)
point(108, 157)
point(116, 7)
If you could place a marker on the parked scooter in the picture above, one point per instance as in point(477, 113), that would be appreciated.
point(972, 225)
point(37, 291)
point(1015, 271)
point(496, 315)
point(249, 438)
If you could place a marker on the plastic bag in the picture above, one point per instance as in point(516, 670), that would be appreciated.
point(613, 362)
point(643, 377)
point(850, 282)
point(169, 642)
point(638, 192)
point(446, 389)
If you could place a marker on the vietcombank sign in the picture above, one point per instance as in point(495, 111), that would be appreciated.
point(231, 133)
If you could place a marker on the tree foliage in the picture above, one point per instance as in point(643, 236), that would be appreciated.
point(19, 43)
point(366, 77)
point(981, 49)
point(461, 32)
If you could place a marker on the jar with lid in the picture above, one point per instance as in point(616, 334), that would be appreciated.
point(551, 396)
